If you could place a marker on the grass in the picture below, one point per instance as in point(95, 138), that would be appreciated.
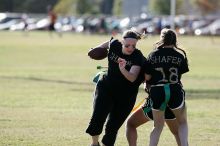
point(46, 90)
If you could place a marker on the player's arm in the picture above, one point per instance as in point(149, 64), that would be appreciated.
point(147, 77)
point(129, 75)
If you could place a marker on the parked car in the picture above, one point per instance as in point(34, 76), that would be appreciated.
point(21, 24)
point(6, 20)
point(211, 29)
point(42, 24)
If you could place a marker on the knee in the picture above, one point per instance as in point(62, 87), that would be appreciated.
point(130, 124)
point(158, 125)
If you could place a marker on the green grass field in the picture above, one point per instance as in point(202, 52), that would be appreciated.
point(46, 90)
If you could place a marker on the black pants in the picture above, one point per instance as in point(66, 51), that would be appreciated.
point(115, 103)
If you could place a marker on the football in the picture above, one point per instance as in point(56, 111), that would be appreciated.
point(98, 53)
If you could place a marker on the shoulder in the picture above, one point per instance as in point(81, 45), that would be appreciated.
point(114, 45)
point(153, 52)
point(181, 52)
point(138, 55)
point(114, 42)
point(138, 52)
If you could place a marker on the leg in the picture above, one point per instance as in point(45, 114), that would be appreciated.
point(173, 126)
point(181, 116)
point(95, 140)
point(102, 106)
point(117, 116)
point(178, 107)
point(158, 117)
point(136, 119)
point(97, 121)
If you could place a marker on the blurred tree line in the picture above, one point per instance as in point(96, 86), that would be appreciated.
point(26, 6)
point(109, 7)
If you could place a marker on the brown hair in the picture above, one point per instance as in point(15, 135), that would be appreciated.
point(131, 34)
point(168, 37)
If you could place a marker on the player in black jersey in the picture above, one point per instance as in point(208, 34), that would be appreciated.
point(165, 66)
point(143, 115)
point(116, 92)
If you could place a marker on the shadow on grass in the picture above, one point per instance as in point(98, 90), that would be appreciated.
point(89, 87)
point(203, 93)
point(46, 80)
point(200, 93)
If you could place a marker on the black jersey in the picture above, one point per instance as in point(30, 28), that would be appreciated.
point(114, 75)
point(166, 65)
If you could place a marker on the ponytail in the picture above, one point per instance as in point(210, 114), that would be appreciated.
point(183, 53)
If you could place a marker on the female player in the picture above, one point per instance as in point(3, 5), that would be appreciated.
point(144, 114)
point(116, 92)
point(165, 66)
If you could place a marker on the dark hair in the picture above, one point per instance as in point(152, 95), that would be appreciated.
point(131, 34)
point(168, 37)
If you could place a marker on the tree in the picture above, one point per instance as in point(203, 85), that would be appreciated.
point(66, 7)
point(78, 7)
point(117, 7)
point(6, 5)
point(82, 7)
point(38, 6)
point(207, 6)
point(106, 6)
point(162, 7)
point(28, 6)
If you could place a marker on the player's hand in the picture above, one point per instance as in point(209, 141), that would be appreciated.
point(146, 87)
point(122, 63)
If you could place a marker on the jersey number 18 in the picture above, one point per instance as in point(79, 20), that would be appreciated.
point(173, 76)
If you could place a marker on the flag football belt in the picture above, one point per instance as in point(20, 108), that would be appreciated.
point(167, 97)
point(148, 105)
point(162, 84)
point(167, 93)
point(98, 76)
